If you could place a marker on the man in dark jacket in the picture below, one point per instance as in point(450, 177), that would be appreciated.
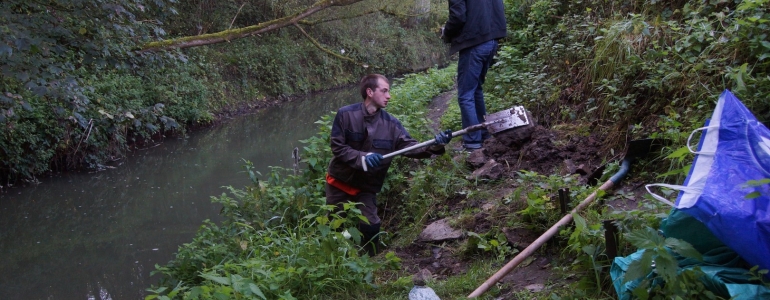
point(473, 28)
point(367, 130)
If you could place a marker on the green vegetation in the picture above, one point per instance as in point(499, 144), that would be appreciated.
point(628, 69)
point(49, 114)
point(655, 65)
point(77, 91)
point(278, 239)
point(631, 69)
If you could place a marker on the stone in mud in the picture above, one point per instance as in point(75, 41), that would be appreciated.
point(476, 159)
point(535, 288)
point(518, 237)
point(490, 170)
point(439, 231)
point(570, 168)
point(421, 291)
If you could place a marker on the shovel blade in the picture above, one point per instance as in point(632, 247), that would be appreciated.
point(506, 119)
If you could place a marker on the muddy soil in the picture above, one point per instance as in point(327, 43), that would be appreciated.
point(533, 148)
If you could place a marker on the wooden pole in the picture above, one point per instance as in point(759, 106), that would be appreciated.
point(536, 244)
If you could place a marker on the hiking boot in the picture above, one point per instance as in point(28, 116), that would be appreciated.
point(371, 239)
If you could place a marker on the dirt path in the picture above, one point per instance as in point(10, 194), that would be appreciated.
point(438, 106)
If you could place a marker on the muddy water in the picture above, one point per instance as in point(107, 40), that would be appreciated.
point(99, 235)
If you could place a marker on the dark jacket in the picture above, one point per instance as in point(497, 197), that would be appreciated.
point(356, 133)
point(472, 22)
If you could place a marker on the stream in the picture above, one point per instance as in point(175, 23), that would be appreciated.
point(98, 235)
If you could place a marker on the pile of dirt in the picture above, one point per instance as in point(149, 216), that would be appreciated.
point(538, 149)
point(533, 148)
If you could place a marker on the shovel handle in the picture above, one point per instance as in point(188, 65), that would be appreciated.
point(430, 142)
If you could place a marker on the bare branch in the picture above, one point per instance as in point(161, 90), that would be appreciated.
point(332, 53)
point(236, 16)
point(233, 34)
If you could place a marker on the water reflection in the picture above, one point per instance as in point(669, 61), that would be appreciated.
point(99, 235)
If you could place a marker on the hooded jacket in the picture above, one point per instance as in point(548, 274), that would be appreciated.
point(356, 133)
point(472, 22)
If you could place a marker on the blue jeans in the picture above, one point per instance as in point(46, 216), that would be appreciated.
point(471, 71)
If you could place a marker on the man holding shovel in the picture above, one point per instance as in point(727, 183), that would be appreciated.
point(361, 134)
point(473, 28)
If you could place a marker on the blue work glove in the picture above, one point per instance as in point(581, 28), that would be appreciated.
point(443, 137)
point(373, 159)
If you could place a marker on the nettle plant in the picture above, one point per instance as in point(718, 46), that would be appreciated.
point(493, 241)
point(659, 259)
point(539, 192)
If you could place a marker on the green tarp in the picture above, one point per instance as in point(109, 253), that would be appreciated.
point(726, 274)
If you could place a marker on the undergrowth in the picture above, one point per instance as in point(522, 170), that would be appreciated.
point(278, 239)
point(630, 69)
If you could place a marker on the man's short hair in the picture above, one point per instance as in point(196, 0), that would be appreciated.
point(370, 81)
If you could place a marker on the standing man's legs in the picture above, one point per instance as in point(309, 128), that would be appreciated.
point(371, 238)
point(368, 207)
point(471, 72)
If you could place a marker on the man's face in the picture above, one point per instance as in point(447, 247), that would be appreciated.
point(380, 95)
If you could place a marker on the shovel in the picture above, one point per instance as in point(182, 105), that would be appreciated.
point(495, 123)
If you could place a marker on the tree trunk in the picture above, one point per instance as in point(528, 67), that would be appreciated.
point(419, 11)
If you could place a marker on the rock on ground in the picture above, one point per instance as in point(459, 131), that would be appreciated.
point(439, 231)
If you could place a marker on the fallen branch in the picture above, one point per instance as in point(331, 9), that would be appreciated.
point(233, 34)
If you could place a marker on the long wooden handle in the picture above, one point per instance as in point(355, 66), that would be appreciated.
point(536, 244)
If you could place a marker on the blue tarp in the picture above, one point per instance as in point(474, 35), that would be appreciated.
point(717, 210)
point(741, 152)
point(733, 152)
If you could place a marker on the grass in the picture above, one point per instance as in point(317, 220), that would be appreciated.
point(398, 285)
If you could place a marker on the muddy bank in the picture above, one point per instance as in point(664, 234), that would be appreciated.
point(533, 148)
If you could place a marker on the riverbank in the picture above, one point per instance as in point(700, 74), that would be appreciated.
point(63, 116)
point(496, 216)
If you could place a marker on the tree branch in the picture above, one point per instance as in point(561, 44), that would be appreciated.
point(332, 53)
point(236, 16)
point(232, 34)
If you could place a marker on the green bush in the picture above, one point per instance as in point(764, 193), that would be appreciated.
point(632, 65)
